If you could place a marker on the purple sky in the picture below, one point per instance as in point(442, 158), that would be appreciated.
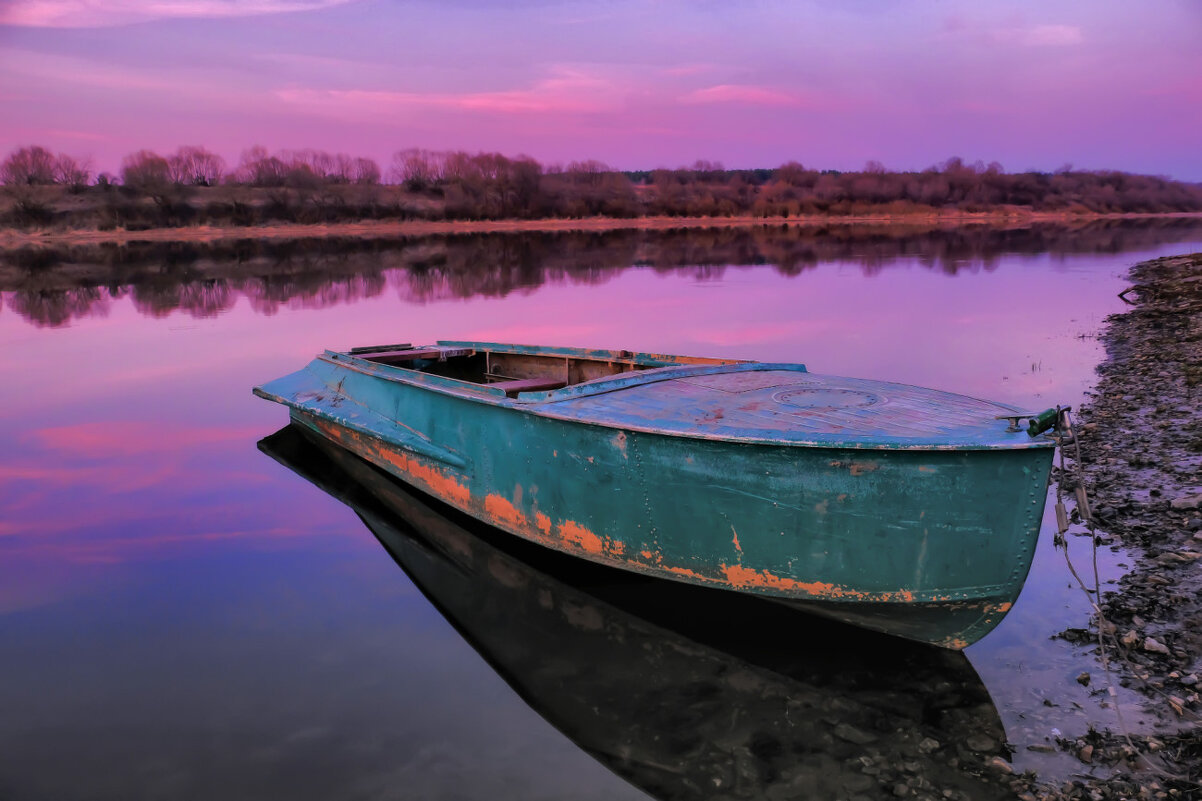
point(635, 83)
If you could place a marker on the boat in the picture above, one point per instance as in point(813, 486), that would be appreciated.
point(682, 691)
point(906, 510)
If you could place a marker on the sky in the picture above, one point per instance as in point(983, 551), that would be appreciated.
point(637, 84)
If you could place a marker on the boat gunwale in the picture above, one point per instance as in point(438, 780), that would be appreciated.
point(541, 404)
point(596, 386)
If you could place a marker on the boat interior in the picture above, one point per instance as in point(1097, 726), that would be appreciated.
point(518, 368)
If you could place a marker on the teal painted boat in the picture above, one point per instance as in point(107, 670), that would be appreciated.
point(901, 509)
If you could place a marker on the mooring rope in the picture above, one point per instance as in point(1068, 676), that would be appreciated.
point(1065, 436)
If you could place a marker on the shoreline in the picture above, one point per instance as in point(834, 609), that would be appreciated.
point(12, 239)
point(1141, 451)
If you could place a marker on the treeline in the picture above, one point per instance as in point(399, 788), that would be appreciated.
point(194, 185)
point(52, 287)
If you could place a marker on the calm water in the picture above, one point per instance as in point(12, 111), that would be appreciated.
point(181, 615)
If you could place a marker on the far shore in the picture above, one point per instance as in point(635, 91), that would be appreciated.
point(379, 229)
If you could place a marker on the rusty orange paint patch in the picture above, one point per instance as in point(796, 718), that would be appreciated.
point(619, 442)
point(542, 522)
point(575, 534)
point(438, 482)
point(501, 510)
point(746, 578)
point(857, 468)
point(684, 571)
point(583, 538)
point(738, 547)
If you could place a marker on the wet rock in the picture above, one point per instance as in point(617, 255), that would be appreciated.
point(981, 744)
point(1188, 502)
point(851, 734)
point(1155, 646)
point(928, 745)
point(1086, 754)
point(1083, 679)
point(1130, 639)
point(1000, 765)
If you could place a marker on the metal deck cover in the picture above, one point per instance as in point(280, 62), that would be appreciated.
point(803, 408)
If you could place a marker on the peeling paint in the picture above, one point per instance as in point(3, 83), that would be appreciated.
point(738, 547)
point(857, 468)
point(581, 537)
point(436, 481)
point(747, 578)
point(501, 510)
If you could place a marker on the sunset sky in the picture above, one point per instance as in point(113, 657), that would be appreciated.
point(635, 83)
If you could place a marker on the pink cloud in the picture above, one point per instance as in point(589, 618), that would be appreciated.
point(563, 92)
point(90, 14)
point(1052, 35)
point(85, 136)
point(737, 93)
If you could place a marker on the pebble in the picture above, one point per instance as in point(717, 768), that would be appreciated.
point(980, 743)
point(1001, 765)
point(853, 735)
point(1155, 646)
point(1188, 502)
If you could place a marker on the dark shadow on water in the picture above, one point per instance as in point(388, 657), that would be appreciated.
point(683, 691)
point(52, 287)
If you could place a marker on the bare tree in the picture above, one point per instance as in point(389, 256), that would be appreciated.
point(71, 172)
point(193, 165)
point(418, 169)
point(257, 168)
point(365, 171)
point(28, 166)
point(145, 171)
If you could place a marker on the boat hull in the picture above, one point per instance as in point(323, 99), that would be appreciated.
point(929, 544)
point(675, 688)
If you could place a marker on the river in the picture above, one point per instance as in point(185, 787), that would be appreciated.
point(183, 616)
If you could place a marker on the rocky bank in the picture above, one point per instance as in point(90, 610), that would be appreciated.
point(1140, 437)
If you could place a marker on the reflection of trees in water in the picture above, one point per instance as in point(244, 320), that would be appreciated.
point(50, 288)
point(54, 308)
point(309, 291)
point(206, 298)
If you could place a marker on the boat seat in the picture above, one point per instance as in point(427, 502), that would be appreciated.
point(513, 387)
point(395, 357)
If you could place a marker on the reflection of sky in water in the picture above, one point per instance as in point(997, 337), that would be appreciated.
point(180, 612)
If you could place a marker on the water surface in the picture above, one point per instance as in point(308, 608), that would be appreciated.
point(181, 615)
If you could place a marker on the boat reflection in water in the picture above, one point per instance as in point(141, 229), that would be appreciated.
point(686, 692)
